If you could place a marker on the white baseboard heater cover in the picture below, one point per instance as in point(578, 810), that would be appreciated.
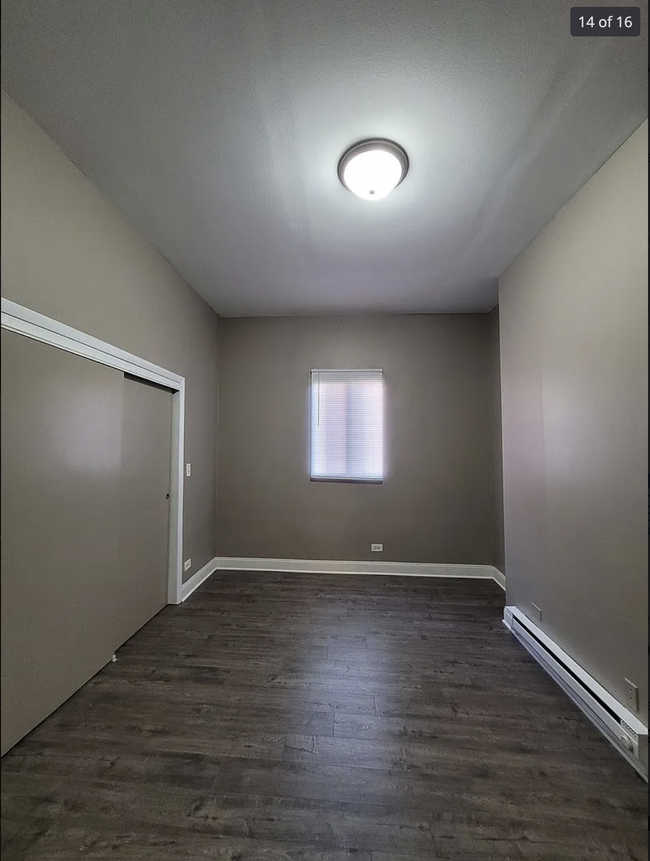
point(617, 723)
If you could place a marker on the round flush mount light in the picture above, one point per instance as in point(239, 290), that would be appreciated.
point(371, 169)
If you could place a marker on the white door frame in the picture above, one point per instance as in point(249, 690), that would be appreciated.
point(16, 318)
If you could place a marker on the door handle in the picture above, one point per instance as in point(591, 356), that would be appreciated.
point(166, 496)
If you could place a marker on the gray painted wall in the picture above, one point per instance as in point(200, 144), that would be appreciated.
point(574, 354)
point(69, 254)
point(436, 504)
point(497, 442)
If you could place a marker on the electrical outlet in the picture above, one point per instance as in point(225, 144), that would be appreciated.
point(188, 470)
point(188, 565)
point(377, 548)
point(537, 612)
point(632, 696)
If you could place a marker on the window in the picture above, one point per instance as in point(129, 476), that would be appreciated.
point(347, 433)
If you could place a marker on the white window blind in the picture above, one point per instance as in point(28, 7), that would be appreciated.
point(347, 425)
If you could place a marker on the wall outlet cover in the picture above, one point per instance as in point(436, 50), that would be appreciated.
point(188, 565)
point(376, 548)
point(632, 695)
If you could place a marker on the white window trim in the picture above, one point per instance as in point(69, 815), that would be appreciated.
point(16, 318)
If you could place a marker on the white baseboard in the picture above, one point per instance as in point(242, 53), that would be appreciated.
point(499, 577)
point(335, 566)
point(196, 579)
point(618, 724)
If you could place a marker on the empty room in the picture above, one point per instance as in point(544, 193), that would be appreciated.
point(324, 428)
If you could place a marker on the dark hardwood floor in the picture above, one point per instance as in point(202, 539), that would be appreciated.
point(283, 717)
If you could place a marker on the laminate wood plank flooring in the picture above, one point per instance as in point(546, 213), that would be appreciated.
point(284, 717)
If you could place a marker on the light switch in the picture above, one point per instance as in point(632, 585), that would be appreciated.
point(188, 469)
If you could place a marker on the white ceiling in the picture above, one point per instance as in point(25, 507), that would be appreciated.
point(216, 127)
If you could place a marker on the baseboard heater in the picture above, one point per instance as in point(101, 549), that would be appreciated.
point(618, 724)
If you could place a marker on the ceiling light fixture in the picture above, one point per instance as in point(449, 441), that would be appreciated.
point(371, 169)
